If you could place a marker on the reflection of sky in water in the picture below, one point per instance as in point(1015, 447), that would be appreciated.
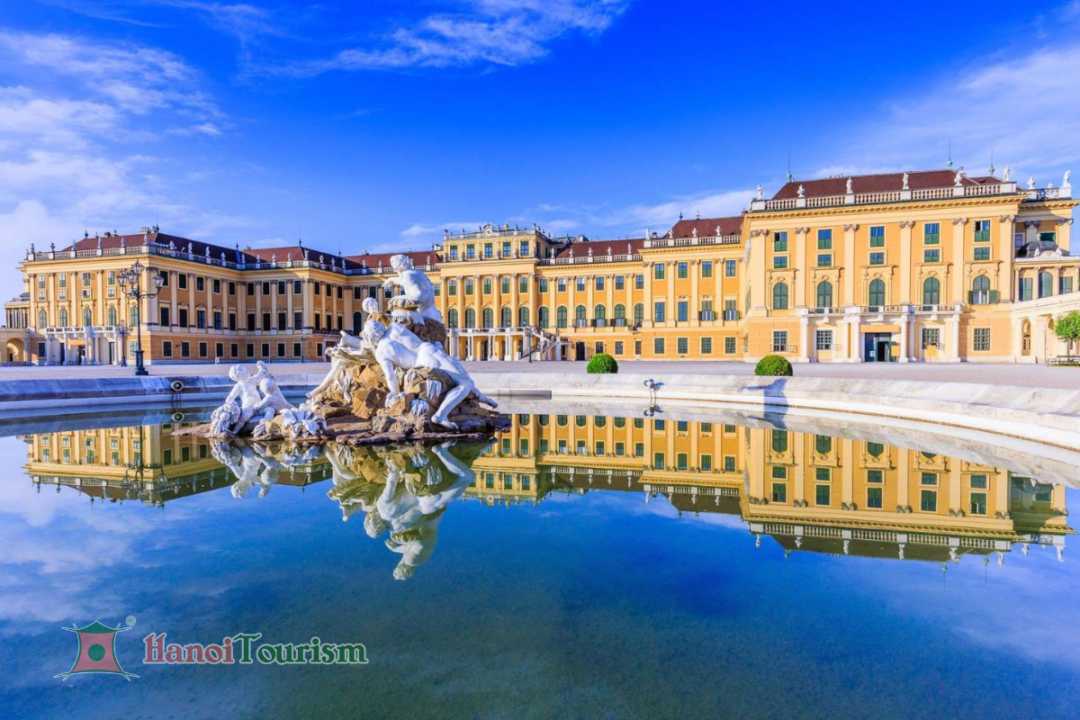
point(586, 604)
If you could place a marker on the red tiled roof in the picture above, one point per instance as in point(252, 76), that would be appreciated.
point(601, 247)
point(708, 227)
point(373, 260)
point(884, 182)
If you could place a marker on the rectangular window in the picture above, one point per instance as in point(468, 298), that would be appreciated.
point(543, 285)
point(1065, 285)
point(166, 349)
point(729, 346)
point(931, 338)
point(658, 346)
point(824, 339)
point(729, 463)
point(658, 271)
point(729, 268)
point(298, 287)
point(981, 254)
point(706, 269)
point(523, 284)
point(266, 288)
point(928, 478)
point(683, 270)
point(504, 286)
point(639, 282)
point(779, 492)
point(599, 280)
point(779, 341)
point(824, 260)
point(875, 476)
point(982, 231)
point(706, 346)
point(779, 262)
point(982, 340)
point(824, 239)
point(931, 234)
point(200, 284)
point(822, 474)
point(296, 349)
point(468, 286)
point(453, 252)
point(682, 346)
point(877, 258)
point(618, 347)
point(780, 242)
point(1026, 289)
point(265, 348)
point(931, 256)
point(234, 350)
point(182, 281)
point(298, 320)
point(219, 350)
point(185, 349)
point(978, 503)
point(183, 317)
point(489, 251)
point(487, 286)
point(928, 501)
point(822, 494)
point(204, 351)
point(705, 463)
point(877, 236)
point(874, 498)
point(249, 349)
point(978, 482)
point(281, 350)
point(682, 310)
point(658, 461)
point(658, 311)
point(682, 461)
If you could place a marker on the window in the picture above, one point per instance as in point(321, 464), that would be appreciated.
point(560, 316)
point(682, 270)
point(506, 317)
point(619, 347)
point(824, 294)
point(705, 463)
point(822, 494)
point(931, 293)
point(682, 461)
point(780, 242)
point(877, 236)
point(166, 349)
point(824, 260)
point(1046, 284)
point(706, 269)
point(639, 313)
point(1065, 286)
point(875, 449)
point(729, 268)
point(981, 254)
point(928, 478)
point(203, 350)
point(468, 286)
point(877, 292)
point(487, 286)
point(658, 312)
point(682, 346)
point(931, 256)
point(183, 317)
point(780, 296)
point(489, 251)
point(706, 346)
point(523, 316)
point(978, 482)
point(451, 288)
point(931, 338)
point(824, 339)
point(779, 490)
point(824, 239)
point(982, 340)
point(489, 318)
point(658, 461)
point(504, 286)
point(823, 474)
point(682, 311)
point(1026, 292)
point(185, 349)
point(780, 341)
point(928, 501)
point(543, 285)
point(931, 234)
point(977, 506)
point(982, 231)
point(874, 498)
point(823, 444)
point(877, 258)
point(876, 477)
point(580, 316)
point(523, 284)
point(780, 262)
point(658, 271)
point(729, 346)
point(639, 282)
point(658, 346)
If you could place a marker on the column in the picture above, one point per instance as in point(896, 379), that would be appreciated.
point(800, 267)
point(805, 352)
point(959, 262)
point(954, 485)
point(695, 294)
point(903, 476)
point(905, 330)
point(850, 264)
point(953, 324)
point(906, 266)
point(846, 456)
point(648, 302)
point(669, 278)
point(1006, 252)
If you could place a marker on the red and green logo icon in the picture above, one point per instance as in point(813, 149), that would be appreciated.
point(97, 650)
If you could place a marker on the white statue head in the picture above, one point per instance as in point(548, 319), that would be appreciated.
point(238, 373)
point(403, 571)
point(374, 525)
point(401, 263)
point(370, 305)
point(268, 386)
point(374, 331)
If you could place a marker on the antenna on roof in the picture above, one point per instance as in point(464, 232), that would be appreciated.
point(949, 164)
point(789, 175)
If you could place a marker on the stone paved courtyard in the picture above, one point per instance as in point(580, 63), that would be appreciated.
point(1017, 375)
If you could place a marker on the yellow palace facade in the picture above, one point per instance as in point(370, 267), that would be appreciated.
point(930, 266)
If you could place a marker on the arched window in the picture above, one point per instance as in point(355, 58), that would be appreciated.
point(779, 441)
point(489, 318)
point(1046, 284)
point(580, 316)
point(877, 292)
point(112, 316)
point(42, 320)
point(823, 444)
point(63, 317)
point(451, 317)
point(599, 421)
point(134, 315)
point(931, 291)
point(545, 316)
point(980, 290)
point(560, 316)
point(470, 318)
point(87, 317)
point(824, 294)
point(780, 296)
point(620, 314)
point(639, 313)
point(523, 317)
point(875, 449)
point(506, 317)
point(600, 312)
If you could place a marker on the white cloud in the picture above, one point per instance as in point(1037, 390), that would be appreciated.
point(420, 230)
point(477, 32)
point(664, 214)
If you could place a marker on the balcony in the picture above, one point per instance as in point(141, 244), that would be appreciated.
point(895, 196)
point(600, 322)
point(778, 348)
point(619, 322)
point(669, 242)
point(707, 315)
point(984, 297)
point(581, 323)
point(731, 315)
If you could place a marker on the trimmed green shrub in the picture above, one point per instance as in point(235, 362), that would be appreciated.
point(602, 364)
point(773, 366)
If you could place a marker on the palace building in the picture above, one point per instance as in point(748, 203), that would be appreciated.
point(930, 266)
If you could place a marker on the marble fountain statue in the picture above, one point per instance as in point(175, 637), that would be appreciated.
point(394, 382)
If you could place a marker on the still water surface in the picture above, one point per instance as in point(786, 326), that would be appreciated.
point(579, 564)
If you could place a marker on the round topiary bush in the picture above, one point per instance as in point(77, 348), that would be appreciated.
point(602, 364)
point(773, 366)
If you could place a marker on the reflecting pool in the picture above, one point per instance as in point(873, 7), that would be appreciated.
point(617, 563)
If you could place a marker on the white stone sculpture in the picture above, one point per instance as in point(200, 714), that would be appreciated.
point(418, 291)
point(1065, 181)
point(302, 422)
point(246, 393)
point(959, 179)
point(801, 192)
point(760, 193)
point(905, 182)
point(1031, 183)
point(1008, 172)
point(849, 188)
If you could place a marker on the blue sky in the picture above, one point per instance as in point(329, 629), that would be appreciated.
point(257, 122)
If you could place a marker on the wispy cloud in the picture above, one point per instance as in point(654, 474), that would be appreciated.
point(472, 33)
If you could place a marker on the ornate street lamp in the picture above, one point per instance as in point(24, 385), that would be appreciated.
point(131, 285)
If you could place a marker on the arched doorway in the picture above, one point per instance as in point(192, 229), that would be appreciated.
point(15, 351)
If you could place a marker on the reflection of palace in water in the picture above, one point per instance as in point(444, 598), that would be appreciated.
point(808, 492)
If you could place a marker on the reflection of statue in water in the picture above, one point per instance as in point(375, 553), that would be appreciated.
point(246, 464)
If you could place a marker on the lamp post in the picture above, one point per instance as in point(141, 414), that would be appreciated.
point(122, 331)
point(131, 285)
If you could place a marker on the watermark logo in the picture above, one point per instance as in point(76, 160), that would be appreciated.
point(97, 650)
point(241, 648)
